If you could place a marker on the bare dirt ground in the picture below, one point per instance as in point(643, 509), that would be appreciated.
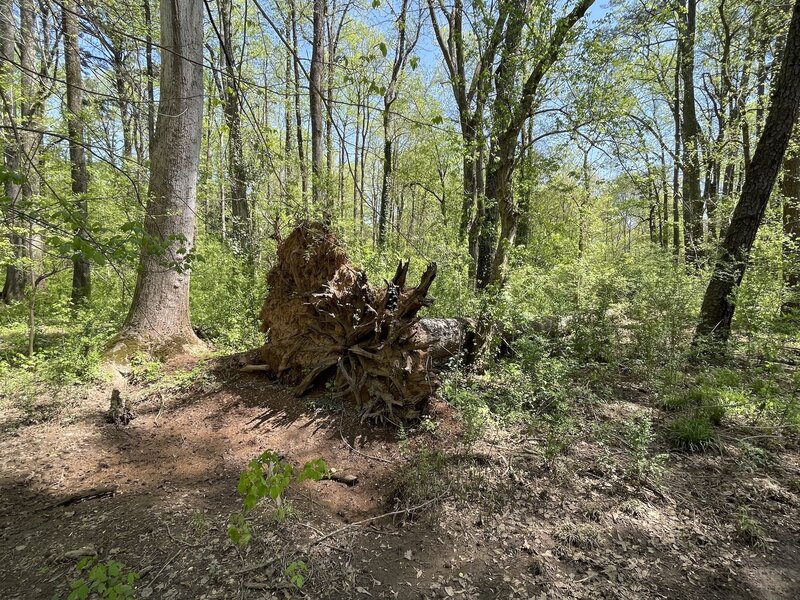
point(498, 519)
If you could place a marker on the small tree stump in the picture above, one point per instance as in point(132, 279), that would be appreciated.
point(118, 412)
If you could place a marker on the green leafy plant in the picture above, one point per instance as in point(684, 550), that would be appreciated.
point(296, 572)
point(108, 580)
point(561, 431)
point(639, 436)
point(268, 476)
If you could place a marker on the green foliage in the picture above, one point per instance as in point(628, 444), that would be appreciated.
point(754, 457)
point(144, 369)
point(296, 572)
point(109, 580)
point(421, 479)
point(639, 436)
point(67, 350)
point(472, 408)
point(757, 393)
point(747, 528)
point(226, 299)
point(691, 433)
point(560, 433)
point(268, 476)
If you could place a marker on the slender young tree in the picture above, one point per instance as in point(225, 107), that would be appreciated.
point(301, 151)
point(690, 129)
point(790, 189)
point(159, 315)
point(81, 269)
point(513, 105)
point(719, 302)
point(319, 193)
point(471, 94)
point(24, 240)
point(14, 284)
point(237, 169)
point(406, 40)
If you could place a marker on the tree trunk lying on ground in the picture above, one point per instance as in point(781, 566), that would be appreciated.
point(327, 326)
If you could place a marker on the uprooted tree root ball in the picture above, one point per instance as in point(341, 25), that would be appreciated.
point(326, 325)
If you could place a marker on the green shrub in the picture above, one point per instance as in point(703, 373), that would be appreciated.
point(714, 412)
point(110, 580)
point(296, 572)
point(674, 401)
point(639, 436)
point(268, 476)
point(226, 298)
point(421, 479)
point(691, 433)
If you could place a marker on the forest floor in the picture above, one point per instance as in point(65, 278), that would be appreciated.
point(499, 518)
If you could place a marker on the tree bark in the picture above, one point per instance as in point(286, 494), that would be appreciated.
point(318, 175)
point(301, 151)
point(237, 170)
point(719, 302)
point(81, 269)
point(386, 182)
point(692, 201)
point(790, 189)
point(158, 320)
point(509, 116)
point(14, 285)
point(405, 45)
point(676, 193)
point(290, 181)
point(148, 55)
point(470, 97)
point(30, 106)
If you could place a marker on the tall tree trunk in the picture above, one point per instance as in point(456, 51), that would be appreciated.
point(289, 178)
point(719, 301)
point(22, 238)
point(513, 106)
point(404, 47)
point(301, 151)
point(237, 170)
point(159, 315)
point(148, 55)
point(791, 226)
point(692, 201)
point(364, 137)
point(356, 163)
point(332, 38)
point(123, 102)
point(318, 175)
point(676, 192)
point(525, 175)
point(487, 239)
point(13, 288)
point(386, 184)
point(81, 270)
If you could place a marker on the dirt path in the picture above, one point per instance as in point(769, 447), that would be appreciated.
point(499, 523)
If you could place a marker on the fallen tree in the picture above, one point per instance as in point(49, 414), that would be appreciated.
point(327, 326)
